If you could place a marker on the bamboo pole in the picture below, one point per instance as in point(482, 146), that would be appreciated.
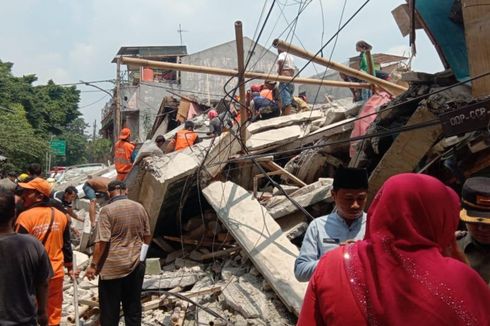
point(234, 73)
point(391, 88)
point(241, 80)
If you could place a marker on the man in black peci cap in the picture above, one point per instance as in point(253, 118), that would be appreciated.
point(346, 223)
point(475, 212)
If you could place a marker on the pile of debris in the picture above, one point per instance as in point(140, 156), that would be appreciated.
point(228, 215)
point(221, 289)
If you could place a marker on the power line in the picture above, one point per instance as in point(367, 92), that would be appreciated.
point(90, 82)
point(336, 33)
point(95, 102)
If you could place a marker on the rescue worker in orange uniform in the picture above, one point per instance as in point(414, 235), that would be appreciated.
point(186, 137)
point(52, 228)
point(123, 152)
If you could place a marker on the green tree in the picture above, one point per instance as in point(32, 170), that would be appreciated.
point(76, 143)
point(51, 111)
point(99, 150)
point(18, 141)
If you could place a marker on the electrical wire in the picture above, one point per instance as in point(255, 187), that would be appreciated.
point(390, 132)
point(95, 102)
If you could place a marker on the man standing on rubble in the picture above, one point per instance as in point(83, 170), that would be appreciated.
point(91, 187)
point(347, 223)
point(51, 227)
point(123, 154)
point(25, 272)
point(122, 238)
point(285, 67)
point(475, 213)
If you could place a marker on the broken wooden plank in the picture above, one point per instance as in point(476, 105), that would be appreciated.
point(261, 237)
point(90, 303)
point(162, 244)
point(150, 305)
point(220, 253)
point(406, 151)
point(276, 167)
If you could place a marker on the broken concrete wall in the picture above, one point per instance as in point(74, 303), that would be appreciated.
point(164, 178)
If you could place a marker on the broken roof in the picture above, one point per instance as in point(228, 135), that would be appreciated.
point(152, 51)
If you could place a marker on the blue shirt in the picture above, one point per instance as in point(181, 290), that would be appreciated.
point(324, 234)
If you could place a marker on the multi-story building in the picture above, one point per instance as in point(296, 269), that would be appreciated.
point(143, 89)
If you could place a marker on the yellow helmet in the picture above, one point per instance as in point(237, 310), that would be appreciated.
point(23, 177)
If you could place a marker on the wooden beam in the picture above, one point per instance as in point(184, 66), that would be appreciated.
point(391, 88)
point(276, 167)
point(476, 15)
point(234, 73)
point(241, 81)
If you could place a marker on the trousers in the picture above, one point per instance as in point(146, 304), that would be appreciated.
point(55, 300)
point(126, 290)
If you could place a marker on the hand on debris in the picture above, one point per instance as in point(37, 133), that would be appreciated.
point(346, 242)
point(91, 273)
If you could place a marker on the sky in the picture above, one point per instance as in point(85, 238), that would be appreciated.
point(72, 40)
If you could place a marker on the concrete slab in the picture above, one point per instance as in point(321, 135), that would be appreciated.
point(306, 196)
point(273, 138)
point(325, 132)
point(246, 299)
point(261, 237)
point(284, 121)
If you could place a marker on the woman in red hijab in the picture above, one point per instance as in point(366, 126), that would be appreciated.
point(407, 270)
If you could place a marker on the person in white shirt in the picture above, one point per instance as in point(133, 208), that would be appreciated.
point(285, 67)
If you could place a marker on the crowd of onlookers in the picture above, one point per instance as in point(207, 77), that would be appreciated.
point(36, 249)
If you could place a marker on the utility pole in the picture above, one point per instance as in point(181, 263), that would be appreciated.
point(241, 80)
point(95, 127)
point(117, 96)
point(180, 31)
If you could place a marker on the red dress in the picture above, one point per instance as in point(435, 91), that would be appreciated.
point(398, 275)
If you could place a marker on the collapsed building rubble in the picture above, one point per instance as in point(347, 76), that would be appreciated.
point(228, 214)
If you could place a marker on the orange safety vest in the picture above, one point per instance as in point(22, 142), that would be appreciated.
point(184, 138)
point(267, 93)
point(36, 221)
point(122, 156)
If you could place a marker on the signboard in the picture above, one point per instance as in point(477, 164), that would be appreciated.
point(58, 147)
point(469, 118)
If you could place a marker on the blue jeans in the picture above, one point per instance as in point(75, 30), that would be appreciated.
point(286, 94)
point(89, 191)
